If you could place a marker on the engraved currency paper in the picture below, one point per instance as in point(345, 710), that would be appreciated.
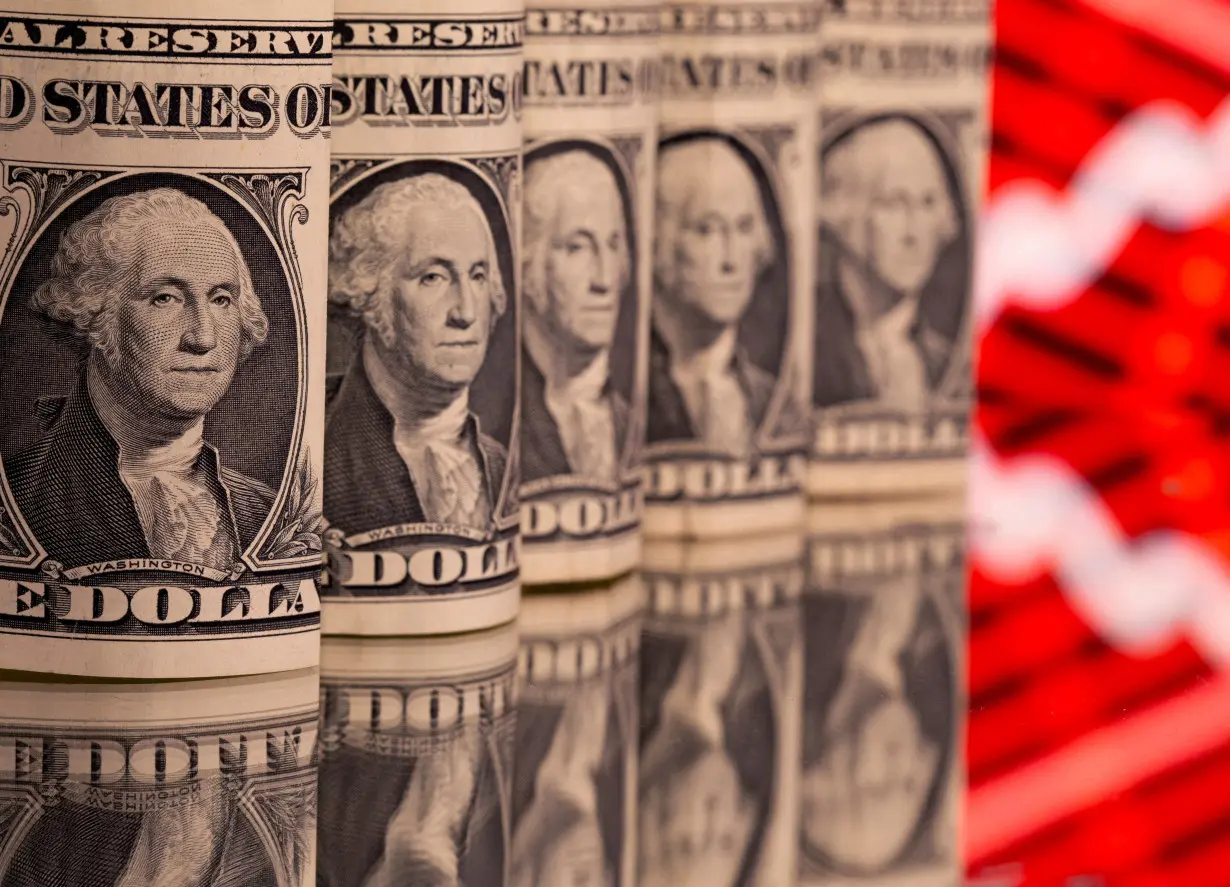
point(591, 139)
point(416, 760)
point(884, 623)
point(575, 786)
point(421, 446)
point(904, 139)
point(721, 700)
point(162, 190)
point(187, 784)
point(730, 347)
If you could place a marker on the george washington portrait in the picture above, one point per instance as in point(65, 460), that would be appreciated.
point(416, 263)
point(153, 293)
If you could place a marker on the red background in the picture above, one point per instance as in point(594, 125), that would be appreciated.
point(1088, 765)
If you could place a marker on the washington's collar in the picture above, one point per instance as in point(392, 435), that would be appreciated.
point(588, 385)
point(715, 359)
point(855, 274)
point(898, 322)
point(179, 455)
point(448, 424)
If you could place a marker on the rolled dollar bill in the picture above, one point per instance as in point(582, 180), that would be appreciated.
point(421, 446)
point(416, 760)
point(721, 702)
point(162, 178)
point(904, 139)
point(884, 701)
point(730, 345)
point(188, 784)
point(575, 787)
point(591, 138)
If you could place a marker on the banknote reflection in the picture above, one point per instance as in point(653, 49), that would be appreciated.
point(578, 859)
point(695, 828)
point(879, 713)
point(558, 840)
point(198, 784)
point(707, 766)
point(865, 794)
point(420, 839)
point(577, 739)
point(416, 751)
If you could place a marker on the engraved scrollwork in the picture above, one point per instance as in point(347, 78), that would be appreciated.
point(780, 638)
point(282, 812)
point(49, 188)
point(51, 791)
point(629, 148)
point(635, 454)
point(11, 542)
point(503, 171)
point(267, 195)
point(789, 416)
point(626, 701)
point(263, 192)
point(342, 171)
point(300, 525)
point(20, 809)
point(500, 743)
point(771, 139)
point(275, 198)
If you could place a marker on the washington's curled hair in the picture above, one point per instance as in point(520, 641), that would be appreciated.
point(365, 248)
point(99, 257)
point(546, 181)
point(853, 176)
point(685, 169)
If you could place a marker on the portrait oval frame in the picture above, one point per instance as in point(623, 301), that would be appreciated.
point(947, 152)
point(492, 401)
point(772, 303)
point(629, 320)
point(259, 209)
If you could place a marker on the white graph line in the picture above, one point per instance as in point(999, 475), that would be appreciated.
point(1039, 249)
point(1140, 596)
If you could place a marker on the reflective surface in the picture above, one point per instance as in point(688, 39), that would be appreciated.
point(761, 712)
point(574, 789)
point(881, 767)
point(190, 784)
point(416, 759)
point(721, 701)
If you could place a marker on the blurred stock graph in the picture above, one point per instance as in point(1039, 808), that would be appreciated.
point(1099, 730)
